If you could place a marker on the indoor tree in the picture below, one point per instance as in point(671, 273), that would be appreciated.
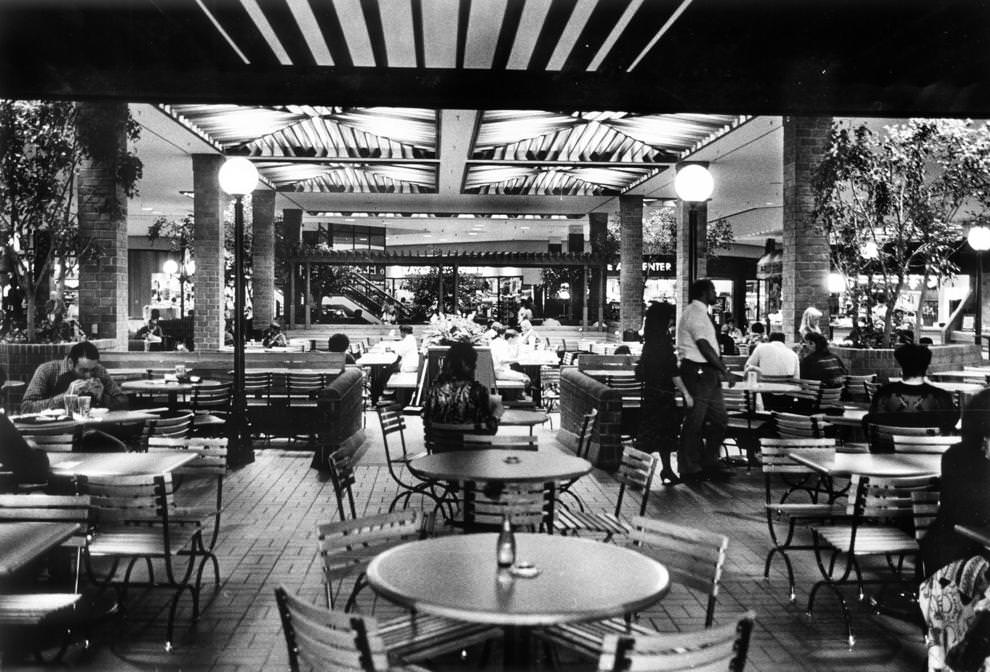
point(42, 147)
point(894, 203)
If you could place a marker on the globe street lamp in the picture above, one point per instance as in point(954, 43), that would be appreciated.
point(693, 184)
point(979, 239)
point(239, 177)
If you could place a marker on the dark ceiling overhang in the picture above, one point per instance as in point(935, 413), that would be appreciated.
point(850, 57)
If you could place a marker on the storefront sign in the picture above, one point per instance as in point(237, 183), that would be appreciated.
point(662, 265)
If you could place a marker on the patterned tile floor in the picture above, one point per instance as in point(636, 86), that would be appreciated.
point(268, 538)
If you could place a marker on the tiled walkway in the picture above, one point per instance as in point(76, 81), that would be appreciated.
point(268, 538)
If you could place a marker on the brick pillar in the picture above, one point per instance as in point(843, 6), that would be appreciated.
point(631, 255)
point(292, 230)
point(263, 257)
point(103, 219)
point(208, 210)
point(806, 254)
point(597, 227)
point(575, 245)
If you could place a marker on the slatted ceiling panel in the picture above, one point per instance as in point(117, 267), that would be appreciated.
point(530, 26)
point(650, 16)
point(580, 15)
point(398, 32)
point(414, 126)
point(439, 51)
point(604, 19)
point(481, 39)
point(231, 124)
point(356, 35)
point(615, 179)
point(241, 29)
point(311, 31)
point(288, 31)
point(671, 130)
point(267, 31)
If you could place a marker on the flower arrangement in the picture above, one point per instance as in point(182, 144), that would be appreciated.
point(449, 329)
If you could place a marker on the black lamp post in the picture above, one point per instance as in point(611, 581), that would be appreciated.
point(239, 177)
point(693, 184)
point(979, 239)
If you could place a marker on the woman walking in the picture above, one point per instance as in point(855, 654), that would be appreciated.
point(657, 370)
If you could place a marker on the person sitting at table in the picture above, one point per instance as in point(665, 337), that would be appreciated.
point(955, 566)
point(622, 350)
point(456, 398)
point(152, 330)
point(272, 337)
point(757, 334)
point(911, 402)
point(79, 373)
point(407, 350)
point(528, 335)
point(505, 353)
point(340, 343)
point(726, 343)
point(821, 364)
point(774, 358)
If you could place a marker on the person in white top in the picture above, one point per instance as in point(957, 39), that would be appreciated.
point(530, 338)
point(774, 358)
point(702, 371)
point(407, 350)
point(505, 353)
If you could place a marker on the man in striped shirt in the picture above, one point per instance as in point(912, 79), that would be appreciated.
point(79, 373)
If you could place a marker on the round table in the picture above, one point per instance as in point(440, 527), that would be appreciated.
point(880, 465)
point(579, 580)
point(517, 417)
point(490, 465)
point(161, 386)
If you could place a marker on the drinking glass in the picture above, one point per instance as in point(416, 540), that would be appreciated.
point(71, 402)
point(180, 369)
point(84, 405)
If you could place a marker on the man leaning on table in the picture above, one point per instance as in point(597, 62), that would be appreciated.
point(702, 371)
point(79, 373)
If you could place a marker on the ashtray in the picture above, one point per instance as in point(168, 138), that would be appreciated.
point(524, 570)
point(512, 459)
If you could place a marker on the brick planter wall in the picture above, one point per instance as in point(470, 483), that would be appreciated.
point(578, 395)
point(20, 360)
point(863, 361)
point(341, 406)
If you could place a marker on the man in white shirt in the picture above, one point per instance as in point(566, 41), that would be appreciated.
point(702, 371)
point(530, 338)
point(407, 350)
point(774, 358)
point(505, 353)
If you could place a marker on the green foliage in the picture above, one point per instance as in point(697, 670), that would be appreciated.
point(425, 291)
point(907, 192)
point(42, 146)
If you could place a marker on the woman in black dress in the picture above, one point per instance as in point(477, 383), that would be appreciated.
point(660, 418)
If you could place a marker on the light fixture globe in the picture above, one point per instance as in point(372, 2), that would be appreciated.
point(170, 267)
point(694, 184)
point(836, 283)
point(238, 176)
point(979, 238)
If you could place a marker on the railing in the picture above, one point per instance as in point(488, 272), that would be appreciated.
point(363, 291)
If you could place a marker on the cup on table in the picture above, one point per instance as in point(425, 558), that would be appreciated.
point(84, 404)
point(71, 402)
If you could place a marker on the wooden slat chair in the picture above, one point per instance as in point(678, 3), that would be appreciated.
point(745, 423)
point(907, 443)
point(322, 639)
point(302, 389)
point(855, 390)
point(446, 437)
point(38, 507)
point(528, 505)
point(210, 405)
point(550, 390)
point(199, 500)
point(258, 395)
point(636, 470)
point(570, 359)
point(829, 398)
point(924, 508)
point(880, 511)
point(133, 518)
point(786, 481)
point(797, 426)
point(715, 650)
point(588, 422)
point(632, 398)
point(695, 559)
point(881, 437)
point(870, 388)
point(54, 439)
point(397, 457)
point(175, 427)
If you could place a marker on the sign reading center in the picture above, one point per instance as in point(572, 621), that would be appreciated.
point(662, 265)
